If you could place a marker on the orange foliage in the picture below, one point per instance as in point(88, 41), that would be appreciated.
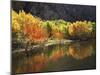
point(33, 30)
point(57, 34)
point(35, 33)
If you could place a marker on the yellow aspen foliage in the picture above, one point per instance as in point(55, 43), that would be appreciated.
point(80, 29)
point(57, 34)
point(28, 25)
point(15, 24)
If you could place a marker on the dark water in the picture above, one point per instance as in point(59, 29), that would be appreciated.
point(61, 57)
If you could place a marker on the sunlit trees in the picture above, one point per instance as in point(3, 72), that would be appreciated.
point(80, 30)
point(18, 20)
point(93, 30)
point(26, 27)
point(15, 24)
point(57, 34)
point(57, 29)
point(33, 29)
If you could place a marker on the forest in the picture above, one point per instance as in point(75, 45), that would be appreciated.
point(29, 28)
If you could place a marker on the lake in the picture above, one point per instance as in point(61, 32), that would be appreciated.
point(79, 55)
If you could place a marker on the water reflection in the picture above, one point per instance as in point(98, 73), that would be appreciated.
point(33, 64)
point(57, 53)
point(43, 59)
point(80, 50)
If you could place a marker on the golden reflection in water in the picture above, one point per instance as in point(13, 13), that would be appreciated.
point(39, 62)
point(80, 50)
point(33, 64)
point(36, 63)
point(57, 53)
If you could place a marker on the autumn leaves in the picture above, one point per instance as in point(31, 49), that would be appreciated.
point(28, 26)
point(36, 30)
point(81, 30)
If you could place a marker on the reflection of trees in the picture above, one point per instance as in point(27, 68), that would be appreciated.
point(80, 50)
point(57, 53)
point(37, 62)
point(33, 64)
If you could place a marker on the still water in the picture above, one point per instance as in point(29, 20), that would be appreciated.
point(60, 57)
